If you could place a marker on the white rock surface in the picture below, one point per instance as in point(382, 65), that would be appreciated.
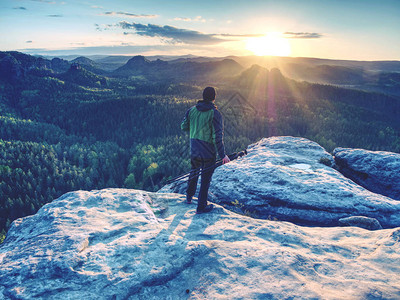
point(128, 244)
point(283, 178)
point(378, 171)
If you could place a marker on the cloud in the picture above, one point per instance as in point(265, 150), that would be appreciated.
point(55, 16)
point(303, 35)
point(196, 19)
point(241, 35)
point(183, 19)
point(129, 15)
point(104, 27)
point(45, 1)
point(173, 33)
point(20, 7)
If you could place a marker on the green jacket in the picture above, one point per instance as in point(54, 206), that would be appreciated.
point(205, 125)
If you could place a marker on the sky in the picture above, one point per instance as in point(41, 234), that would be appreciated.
point(334, 29)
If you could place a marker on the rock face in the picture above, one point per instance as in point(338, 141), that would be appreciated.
point(377, 171)
point(359, 221)
point(129, 244)
point(284, 178)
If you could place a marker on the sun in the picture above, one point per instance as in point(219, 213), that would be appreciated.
point(273, 44)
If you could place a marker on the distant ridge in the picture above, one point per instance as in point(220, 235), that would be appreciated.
point(16, 65)
point(84, 61)
point(371, 76)
point(182, 70)
point(88, 64)
point(81, 76)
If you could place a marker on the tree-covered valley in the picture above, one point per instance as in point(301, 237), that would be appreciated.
point(82, 124)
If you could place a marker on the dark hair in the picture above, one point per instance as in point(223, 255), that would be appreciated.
point(209, 94)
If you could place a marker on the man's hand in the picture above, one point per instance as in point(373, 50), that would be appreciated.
point(225, 160)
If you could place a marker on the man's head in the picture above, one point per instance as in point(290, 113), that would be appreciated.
point(209, 94)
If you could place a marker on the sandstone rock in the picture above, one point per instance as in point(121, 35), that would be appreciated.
point(360, 221)
point(129, 244)
point(283, 178)
point(377, 171)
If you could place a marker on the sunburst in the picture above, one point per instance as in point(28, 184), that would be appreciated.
point(272, 44)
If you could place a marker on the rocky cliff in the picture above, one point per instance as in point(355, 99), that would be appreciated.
point(131, 244)
point(128, 244)
point(292, 179)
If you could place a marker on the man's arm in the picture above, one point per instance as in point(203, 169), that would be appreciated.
point(185, 125)
point(219, 135)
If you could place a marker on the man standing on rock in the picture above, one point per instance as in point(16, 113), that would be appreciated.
point(205, 125)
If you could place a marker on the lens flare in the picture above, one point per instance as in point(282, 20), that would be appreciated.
point(272, 44)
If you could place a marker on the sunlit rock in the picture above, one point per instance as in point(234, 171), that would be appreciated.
point(378, 171)
point(288, 178)
point(129, 244)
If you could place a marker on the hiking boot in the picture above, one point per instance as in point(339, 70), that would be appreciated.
point(189, 199)
point(206, 209)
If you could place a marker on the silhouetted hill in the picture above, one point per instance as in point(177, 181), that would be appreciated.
point(59, 65)
point(10, 68)
point(137, 61)
point(199, 59)
point(16, 65)
point(89, 65)
point(257, 75)
point(139, 65)
point(376, 76)
point(80, 76)
point(84, 61)
point(254, 74)
point(111, 63)
point(28, 61)
point(226, 67)
point(182, 71)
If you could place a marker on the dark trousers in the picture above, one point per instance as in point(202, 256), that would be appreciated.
point(198, 165)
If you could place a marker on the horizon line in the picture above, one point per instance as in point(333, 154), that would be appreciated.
point(198, 56)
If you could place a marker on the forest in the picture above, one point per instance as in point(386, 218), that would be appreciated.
point(68, 126)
